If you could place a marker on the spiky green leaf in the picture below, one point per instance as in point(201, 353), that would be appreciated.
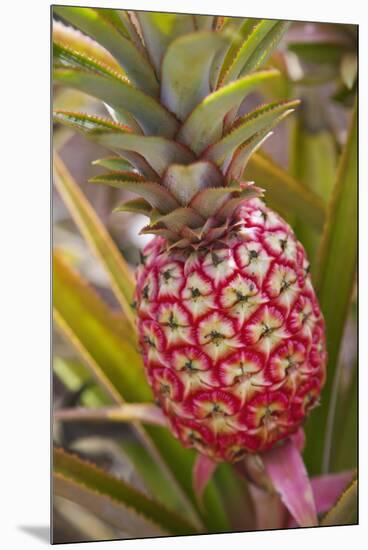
point(74, 39)
point(113, 163)
point(185, 181)
point(259, 120)
point(65, 56)
point(255, 49)
point(179, 218)
point(204, 124)
point(155, 194)
point(243, 154)
point(160, 29)
point(157, 151)
point(113, 499)
point(269, 43)
point(120, 94)
point(136, 206)
point(194, 53)
point(102, 29)
point(239, 30)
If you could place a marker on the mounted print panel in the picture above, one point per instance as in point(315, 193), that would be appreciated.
point(204, 274)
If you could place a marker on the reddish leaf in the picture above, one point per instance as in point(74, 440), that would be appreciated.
point(299, 439)
point(286, 468)
point(203, 470)
point(270, 511)
point(327, 489)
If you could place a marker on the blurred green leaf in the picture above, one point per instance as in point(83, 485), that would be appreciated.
point(113, 17)
point(283, 192)
point(97, 237)
point(349, 69)
point(157, 484)
point(204, 22)
point(345, 511)
point(235, 496)
point(74, 375)
point(344, 447)
point(318, 52)
point(112, 499)
point(181, 463)
point(99, 335)
point(130, 412)
point(281, 86)
point(314, 159)
point(313, 163)
point(335, 278)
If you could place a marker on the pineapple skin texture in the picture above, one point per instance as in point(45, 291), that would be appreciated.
point(232, 336)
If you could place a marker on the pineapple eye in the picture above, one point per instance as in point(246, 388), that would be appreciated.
point(283, 244)
point(194, 437)
point(172, 323)
point(216, 260)
point(240, 453)
point(215, 336)
point(266, 330)
point(240, 297)
point(148, 341)
point(284, 285)
point(164, 389)
point(305, 316)
point(253, 254)
point(195, 292)
point(167, 275)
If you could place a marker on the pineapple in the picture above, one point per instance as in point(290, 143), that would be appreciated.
point(230, 329)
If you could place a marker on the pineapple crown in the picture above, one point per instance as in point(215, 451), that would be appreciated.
point(173, 85)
